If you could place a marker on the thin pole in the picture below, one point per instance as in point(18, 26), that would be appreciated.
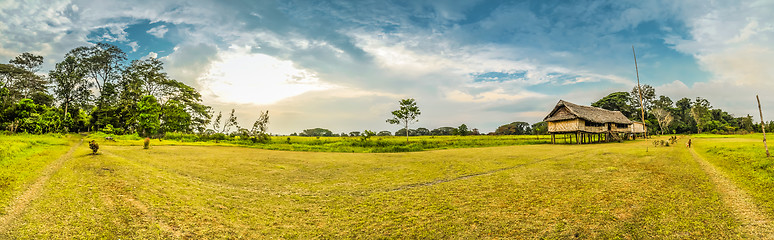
point(639, 89)
point(763, 126)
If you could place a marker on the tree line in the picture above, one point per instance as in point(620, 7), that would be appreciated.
point(96, 88)
point(684, 116)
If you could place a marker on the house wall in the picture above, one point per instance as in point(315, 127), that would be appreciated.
point(571, 125)
point(614, 128)
point(637, 128)
point(603, 128)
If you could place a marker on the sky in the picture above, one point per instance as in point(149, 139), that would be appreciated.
point(344, 65)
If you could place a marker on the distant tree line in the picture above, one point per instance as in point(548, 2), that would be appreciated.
point(686, 115)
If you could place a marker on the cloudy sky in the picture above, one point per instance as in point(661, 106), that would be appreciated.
point(344, 65)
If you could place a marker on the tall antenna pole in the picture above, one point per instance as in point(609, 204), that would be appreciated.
point(639, 89)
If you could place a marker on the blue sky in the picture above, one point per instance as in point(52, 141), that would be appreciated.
point(344, 65)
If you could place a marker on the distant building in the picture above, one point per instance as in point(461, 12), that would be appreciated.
point(589, 124)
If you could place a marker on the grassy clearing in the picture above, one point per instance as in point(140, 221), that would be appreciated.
point(742, 158)
point(376, 144)
point(530, 191)
point(22, 157)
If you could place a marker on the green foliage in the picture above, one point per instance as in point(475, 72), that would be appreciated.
point(514, 128)
point(316, 132)
point(94, 146)
point(617, 101)
point(108, 129)
point(146, 143)
point(462, 130)
point(148, 118)
point(406, 114)
point(367, 134)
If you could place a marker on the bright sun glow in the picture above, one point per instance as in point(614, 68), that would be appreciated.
point(244, 77)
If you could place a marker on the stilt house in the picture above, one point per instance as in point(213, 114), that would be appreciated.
point(588, 124)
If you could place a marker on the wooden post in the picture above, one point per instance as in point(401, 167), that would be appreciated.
point(763, 126)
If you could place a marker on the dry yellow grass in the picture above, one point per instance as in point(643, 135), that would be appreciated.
point(629, 190)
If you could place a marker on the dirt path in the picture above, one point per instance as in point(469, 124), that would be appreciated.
point(19, 204)
point(755, 223)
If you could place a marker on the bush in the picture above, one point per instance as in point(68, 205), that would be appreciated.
point(94, 147)
point(146, 143)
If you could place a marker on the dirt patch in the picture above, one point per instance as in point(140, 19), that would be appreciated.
point(755, 223)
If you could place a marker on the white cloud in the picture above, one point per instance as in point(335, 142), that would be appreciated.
point(150, 55)
point(158, 31)
point(133, 45)
point(240, 76)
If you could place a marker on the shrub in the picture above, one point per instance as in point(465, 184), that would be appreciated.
point(146, 143)
point(94, 147)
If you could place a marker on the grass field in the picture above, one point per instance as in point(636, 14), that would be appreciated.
point(375, 144)
point(627, 190)
point(743, 158)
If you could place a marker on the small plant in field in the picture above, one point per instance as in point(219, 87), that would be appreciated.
point(146, 143)
point(288, 140)
point(94, 147)
point(367, 134)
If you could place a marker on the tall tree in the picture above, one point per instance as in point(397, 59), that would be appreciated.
point(148, 118)
point(28, 83)
point(70, 84)
point(648, 97)
point(617, 101)
point(102, 63)
point(407, 114)
point(699, 112)
point(260, 127)
point(664, 118)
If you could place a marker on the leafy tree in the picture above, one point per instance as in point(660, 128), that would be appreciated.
point(174, 118)
point(407, 114)
point(540, 128)
point(367, 134)
point(648, 97)
point(70, 84)
point(102, 63)
point(260, 127)
point(354, 134)
point(402, 132)
point(462, 130)
point(318, 132)
point(514, 128)
point(384, 133)
point(423, 132)
point(148, 117)
point(699, 112)
point(443, 131)
point(24, 83)
point(617, 101)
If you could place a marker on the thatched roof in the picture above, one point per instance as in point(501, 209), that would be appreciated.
point(566, 110)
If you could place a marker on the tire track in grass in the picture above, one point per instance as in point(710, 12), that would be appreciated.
point(755, 223)
point(20, 203)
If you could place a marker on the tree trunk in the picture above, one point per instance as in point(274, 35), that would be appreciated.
point(406, 128)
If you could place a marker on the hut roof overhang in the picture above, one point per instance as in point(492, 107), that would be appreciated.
point(588, 113)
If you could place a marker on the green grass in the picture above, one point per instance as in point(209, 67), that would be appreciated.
point(629, 190)
point(743, 158)
point(23, 157)
point(375, 144)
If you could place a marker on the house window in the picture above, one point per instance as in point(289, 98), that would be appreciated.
point(617, 125)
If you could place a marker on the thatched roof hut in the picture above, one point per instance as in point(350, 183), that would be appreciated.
point(565, 110)
point(588, 124)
